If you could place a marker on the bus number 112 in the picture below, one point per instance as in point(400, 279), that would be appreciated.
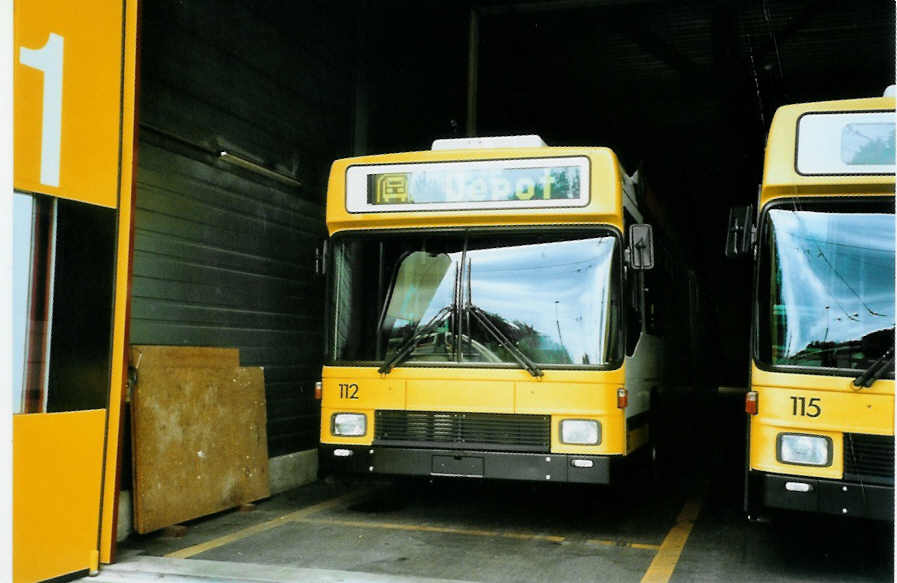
point(348, 391)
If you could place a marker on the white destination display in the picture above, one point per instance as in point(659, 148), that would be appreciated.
point(479, 184)
point(846, 143)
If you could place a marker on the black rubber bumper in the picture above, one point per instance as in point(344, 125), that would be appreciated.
point(401, 461)
point(842, 497)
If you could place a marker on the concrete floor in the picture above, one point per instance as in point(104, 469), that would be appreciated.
point(470, 530)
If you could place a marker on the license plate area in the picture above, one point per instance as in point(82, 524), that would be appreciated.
point(457, 465)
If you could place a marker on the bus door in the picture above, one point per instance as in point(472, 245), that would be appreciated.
point(73, 137)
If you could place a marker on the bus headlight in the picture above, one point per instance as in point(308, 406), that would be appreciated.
point(805, 450)
point(580, 431)
point(349, 424)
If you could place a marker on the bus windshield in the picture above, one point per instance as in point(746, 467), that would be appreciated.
point(476, 297)
point(826, 285)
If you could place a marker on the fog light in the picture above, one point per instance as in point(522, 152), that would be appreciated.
point(583, 463)
point(804, 450)
point(797, 487)
point(342, 452)
point(580, 431)
point(349, 424)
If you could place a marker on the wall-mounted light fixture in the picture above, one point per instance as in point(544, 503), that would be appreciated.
point(257, 168)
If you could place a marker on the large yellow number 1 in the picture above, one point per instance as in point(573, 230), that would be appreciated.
point(48, 59)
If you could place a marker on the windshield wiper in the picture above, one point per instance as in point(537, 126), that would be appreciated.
point(875, 372)
point(486, 322)
point(407, 347)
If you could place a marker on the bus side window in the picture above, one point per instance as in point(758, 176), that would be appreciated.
point(633, 295)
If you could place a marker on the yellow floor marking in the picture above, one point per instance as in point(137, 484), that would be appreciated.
point(617, 543)
point(661, 568)
point(424, 528)
point(280, 520)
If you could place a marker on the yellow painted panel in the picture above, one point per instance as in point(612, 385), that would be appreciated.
point(763, 451)
point(109, 525)
point(406, 373)
point(567, 398)
point(784, 405)
point(780, 178)
point(605, 204)
point(763, 378)
point(855, 412)
point(57, 465)
point(451, 395)
point(358, 392)
point(562, 394)
point(86, 55)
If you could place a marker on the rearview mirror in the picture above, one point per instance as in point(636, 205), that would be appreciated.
point(740, 236)
point(641, 247)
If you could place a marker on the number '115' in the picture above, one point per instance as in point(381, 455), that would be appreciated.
point(805, 407)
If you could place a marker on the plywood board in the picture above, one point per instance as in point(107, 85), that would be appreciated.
point(183, 356)
point(199, 442)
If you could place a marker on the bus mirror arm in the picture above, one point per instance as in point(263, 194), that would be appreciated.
point(640, 253)
point(742, 233)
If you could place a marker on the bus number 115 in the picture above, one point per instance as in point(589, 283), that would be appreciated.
point(805, 407)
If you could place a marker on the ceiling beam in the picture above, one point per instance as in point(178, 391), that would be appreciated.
point(659, 48)
point(810, 11)
point(529, 6)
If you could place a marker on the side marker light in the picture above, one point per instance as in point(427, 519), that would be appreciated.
point(750, 403)
point(622, 398)
point(319, 389)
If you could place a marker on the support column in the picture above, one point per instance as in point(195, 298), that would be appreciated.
point(473, 63)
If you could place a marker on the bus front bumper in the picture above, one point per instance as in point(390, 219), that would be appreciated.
point(402, 461)
point(843, 497)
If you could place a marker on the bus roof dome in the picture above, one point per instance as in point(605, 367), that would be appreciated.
point(530, 141)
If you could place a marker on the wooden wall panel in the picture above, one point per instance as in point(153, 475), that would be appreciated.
point(200, 442)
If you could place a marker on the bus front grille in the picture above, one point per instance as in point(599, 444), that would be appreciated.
point(451, 430)
point(869, 457)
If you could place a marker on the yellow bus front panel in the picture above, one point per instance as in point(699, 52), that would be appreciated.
point(827, 406)
point(562, 395)
point(854, 426)
point(445, 395)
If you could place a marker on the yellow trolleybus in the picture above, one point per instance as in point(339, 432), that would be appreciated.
point(488, 314)
point(821, 400)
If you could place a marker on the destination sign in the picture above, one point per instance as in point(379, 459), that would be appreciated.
point(523, 183)
point(846, 143)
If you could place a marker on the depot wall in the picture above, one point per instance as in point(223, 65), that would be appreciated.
point(222, 255)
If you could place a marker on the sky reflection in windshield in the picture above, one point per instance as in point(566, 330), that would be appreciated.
point(833, 283)
point(551, 299)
